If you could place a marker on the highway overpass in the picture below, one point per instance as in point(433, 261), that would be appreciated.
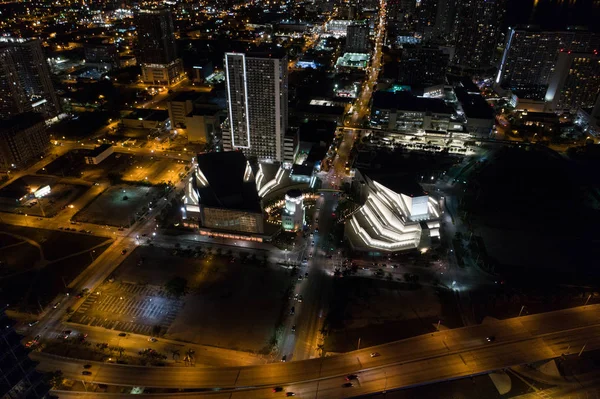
point(429, 358)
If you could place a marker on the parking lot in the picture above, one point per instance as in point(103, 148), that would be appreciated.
point(124, 202)
point(126, 167)
point(233, 305)
point(131, 308)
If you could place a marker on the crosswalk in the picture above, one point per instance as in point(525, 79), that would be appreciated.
point(129, 308)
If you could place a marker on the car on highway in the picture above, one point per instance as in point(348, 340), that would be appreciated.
point(491, 338)
point(306, 275)
point(290, 394)
point(33, 323)
point(292, 310)
point(347, 385)
point(351, 377)
point(284, 358)
point(294, 328)
point(152, 339)
point(57, 304)
point(374, 354)
point(123, 252)
point(87, 366)
point(277, 389)
point(86, 372)
point(122, 334)
point(299, 298)
point(66, 334)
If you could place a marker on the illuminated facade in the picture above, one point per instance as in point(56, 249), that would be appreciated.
point(257, 102)
point(157, 53)
point(357, 38)
point(25, 83)
point(389, 221)
point(221, 195)
point(477, 29)
point(575, 82)
point(292, 216)
point(22, 139)
point(530, 57)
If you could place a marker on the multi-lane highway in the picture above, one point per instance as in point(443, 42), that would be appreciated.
point(423, 359)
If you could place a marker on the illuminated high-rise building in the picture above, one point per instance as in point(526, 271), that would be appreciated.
point(25, 83)
point(257, 102)
point(357, 38)
point(575, 82)
point(477, 31)
point(530, 57)
point(157, 53)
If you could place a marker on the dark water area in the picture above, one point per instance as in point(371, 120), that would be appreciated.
point(554, 14)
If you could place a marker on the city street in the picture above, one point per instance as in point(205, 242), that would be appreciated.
point(426, 358)
point(316, 290)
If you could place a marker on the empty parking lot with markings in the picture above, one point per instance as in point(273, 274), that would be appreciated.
point(128, 307)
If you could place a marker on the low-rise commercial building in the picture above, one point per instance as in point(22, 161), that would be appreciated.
point(203, 124)
point(99, 154)
point(180, 105)
point(142, 118)
point(403, 111)
point(352, 61)
point(479, 115)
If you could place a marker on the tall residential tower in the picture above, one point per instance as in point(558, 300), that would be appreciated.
point(257, 102)
point(530, 57)
point(477, 31)
point(25, 83)
point(157, 53)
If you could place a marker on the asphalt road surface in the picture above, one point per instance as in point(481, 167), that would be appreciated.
point(423, 359)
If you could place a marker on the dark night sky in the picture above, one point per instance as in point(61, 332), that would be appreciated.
point(554, 14)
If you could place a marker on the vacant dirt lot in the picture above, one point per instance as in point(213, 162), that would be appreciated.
point(229, 304)
point(124, 202)
point(379, 311)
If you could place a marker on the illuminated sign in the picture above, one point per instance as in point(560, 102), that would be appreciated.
point(42, 192)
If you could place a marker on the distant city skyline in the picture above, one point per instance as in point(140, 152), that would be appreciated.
point(553, 14)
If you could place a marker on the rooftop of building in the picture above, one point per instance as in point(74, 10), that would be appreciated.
point(302, 170)
point(227, 188)
point(405, 101)
point(398, 183)
point(182, 96)
point(25, 185)
point(21, 121)
point(463, 82)
point(317, 132)
point(207, 110)
point(320, 109)
point(474, 105)
point(148, 114)
point(99, 150)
